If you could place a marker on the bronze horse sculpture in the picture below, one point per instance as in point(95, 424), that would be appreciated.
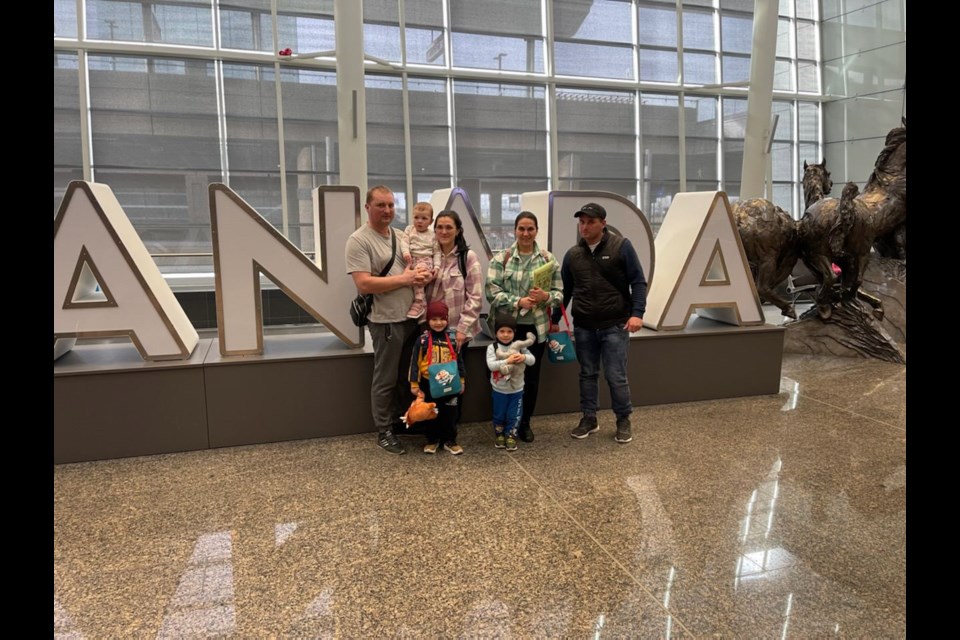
point(773, 241)
point(771, 244)
point(770, 239)
point(816, 183)
point(843, 231)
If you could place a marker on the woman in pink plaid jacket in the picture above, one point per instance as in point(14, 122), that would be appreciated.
point(459, 281)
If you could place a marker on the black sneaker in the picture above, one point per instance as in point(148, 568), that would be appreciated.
point(389, 443)
point(624, 434)
point(588, 425)
point(525, 433)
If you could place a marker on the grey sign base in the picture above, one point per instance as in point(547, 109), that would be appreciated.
point(108, 403)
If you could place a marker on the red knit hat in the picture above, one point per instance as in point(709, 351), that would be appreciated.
point(438, 309)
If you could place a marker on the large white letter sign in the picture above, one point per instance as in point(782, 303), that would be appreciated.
point(106, 284)
point(702, 266)
point(246, 245)
point(623, 218)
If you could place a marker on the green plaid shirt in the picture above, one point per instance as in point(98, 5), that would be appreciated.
point(507, 283)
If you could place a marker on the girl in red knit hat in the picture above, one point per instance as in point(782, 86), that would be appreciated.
point(437, 344)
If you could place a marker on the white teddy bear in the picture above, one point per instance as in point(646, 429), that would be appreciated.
point(514, 347)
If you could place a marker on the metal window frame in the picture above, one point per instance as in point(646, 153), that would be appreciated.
point(82, 46)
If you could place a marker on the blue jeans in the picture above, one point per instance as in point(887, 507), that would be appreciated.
point(507, 409)
point(609, 346)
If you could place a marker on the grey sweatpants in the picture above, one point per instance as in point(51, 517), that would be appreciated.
point(390, 342)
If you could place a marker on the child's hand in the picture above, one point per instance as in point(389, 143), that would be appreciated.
point(408, 258)
point(516, 358)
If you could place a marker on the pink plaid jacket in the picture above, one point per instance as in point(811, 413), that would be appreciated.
point(463, 296)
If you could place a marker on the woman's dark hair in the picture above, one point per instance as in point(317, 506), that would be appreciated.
point(521, 216)
point(459, 242)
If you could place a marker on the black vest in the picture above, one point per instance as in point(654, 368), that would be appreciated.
point(601, 294)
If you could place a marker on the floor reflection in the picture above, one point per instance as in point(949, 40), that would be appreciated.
point(203, 602)
point(773, 516)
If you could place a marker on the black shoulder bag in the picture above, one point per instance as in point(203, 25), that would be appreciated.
point(361, 305)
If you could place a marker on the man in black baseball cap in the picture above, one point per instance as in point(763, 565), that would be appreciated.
point(592, 210)
point(603, 275)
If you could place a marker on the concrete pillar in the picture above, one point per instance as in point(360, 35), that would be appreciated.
point(760, 99)
point(351, 103)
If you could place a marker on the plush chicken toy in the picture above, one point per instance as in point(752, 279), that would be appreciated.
point(420, 411)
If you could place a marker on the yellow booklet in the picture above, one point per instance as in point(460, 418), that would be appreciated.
point(543, 277)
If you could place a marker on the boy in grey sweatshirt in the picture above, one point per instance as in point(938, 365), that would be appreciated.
point(506, 380)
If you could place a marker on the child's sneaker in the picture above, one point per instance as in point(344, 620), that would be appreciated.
point(511, 443)
point(501, 441)
point(416, 311)
point(453, 448)
point(431, 447)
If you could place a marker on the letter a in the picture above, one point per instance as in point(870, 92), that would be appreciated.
point(106, 284)
point(701, 266)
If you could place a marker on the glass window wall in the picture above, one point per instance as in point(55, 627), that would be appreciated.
point(489, 107)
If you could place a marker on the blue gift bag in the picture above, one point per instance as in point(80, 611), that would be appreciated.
point(560, 344)
point(444, 376)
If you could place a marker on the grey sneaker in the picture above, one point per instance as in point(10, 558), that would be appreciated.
point(588, 425)
point(388, 442)
point(623, 431)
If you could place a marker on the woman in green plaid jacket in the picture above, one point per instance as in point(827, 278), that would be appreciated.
point(510, 290)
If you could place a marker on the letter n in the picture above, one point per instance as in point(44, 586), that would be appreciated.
point(246, 245)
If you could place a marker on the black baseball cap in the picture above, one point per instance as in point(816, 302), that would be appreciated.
point(592, 210)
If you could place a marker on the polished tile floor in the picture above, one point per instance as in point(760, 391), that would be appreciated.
point(779, 516)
